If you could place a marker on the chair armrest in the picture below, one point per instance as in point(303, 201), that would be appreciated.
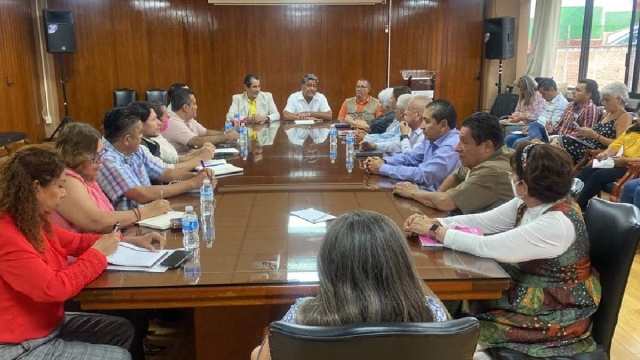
point(633, 170)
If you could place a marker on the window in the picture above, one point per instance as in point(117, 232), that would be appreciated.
point(608, 51)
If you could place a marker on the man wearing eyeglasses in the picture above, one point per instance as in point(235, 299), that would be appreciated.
point(362, 107)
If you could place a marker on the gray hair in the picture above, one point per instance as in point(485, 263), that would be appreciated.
point(308, 77)
point(385, 97)
point(529, 85)
point(366, 274)
point(616, 89)
point(402, 102)
point(77, 143)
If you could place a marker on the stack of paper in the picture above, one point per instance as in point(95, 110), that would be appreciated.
point(226, 151)
point(212, 163)
point(132, 258)
point(313, 216)
point(161, 222)
point(304, 122)
point(226, 170)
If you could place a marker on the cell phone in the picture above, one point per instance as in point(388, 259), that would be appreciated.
point(176, 258)
point(176, 224)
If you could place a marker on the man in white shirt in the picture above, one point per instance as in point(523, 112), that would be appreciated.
point(404, 133)
point(307, 104)
point(253, 105)
point(184, 132)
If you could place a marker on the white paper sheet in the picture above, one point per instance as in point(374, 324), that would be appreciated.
point(152, 269)
point(313, 216)
point(226, 151)
point(131, 255)
point(304, 122)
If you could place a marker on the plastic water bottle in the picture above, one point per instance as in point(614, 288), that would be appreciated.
point(228, 125)
point(333, 143)
point(243, 142)
point(190, 238)
point(207, 201)
point(350, 151)
point(191, 269)
point(236, 120)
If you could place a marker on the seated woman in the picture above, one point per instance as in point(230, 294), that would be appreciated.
point(529, 107)
point(86, 208)
point(540, 239)
point(613, 124)
point(168, 153)
point(595, 179)
point(35, 279)
point(355, 243)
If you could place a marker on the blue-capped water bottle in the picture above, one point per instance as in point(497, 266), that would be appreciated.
point(228, 125)
point(236, 120)
point(190, 238)
point(333, 143)
point(243, 142)
point(350, 141)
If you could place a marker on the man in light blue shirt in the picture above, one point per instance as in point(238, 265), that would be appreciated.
point(429, 163)
point(551, 113)
point(403, 134)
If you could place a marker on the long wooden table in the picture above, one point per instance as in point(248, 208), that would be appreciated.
point(263, 258)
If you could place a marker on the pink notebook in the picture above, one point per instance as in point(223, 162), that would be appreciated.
point(428, 240)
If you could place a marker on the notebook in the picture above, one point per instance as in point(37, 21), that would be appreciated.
point(227, 170)
point(304, 122)
point(226, 151)
point(212, 164)
point(131, 255)
point(161, 222)
point(313, 216)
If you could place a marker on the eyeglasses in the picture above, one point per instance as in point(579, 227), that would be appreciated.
point(99, 155)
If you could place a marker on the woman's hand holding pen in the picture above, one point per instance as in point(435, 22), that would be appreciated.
point(108, 244)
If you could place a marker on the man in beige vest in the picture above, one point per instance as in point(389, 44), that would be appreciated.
point(362, 106)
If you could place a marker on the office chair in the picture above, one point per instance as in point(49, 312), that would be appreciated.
point(124, 97)
point(158, 95)
point(454, 339)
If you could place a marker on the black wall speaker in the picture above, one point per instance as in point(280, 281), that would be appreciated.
point(59, 32)
point(499, 36)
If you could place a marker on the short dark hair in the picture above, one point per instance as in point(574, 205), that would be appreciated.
point(546, 169)
point(485, 126)
point(118, 122)
point(175, 87)
point(248, 78)
point(547, 84)
point(365, 79)
point(592, 87)
point(443, 110)
point(157, 107)
point(400, 90)
point(180, 98)
point(142, 109)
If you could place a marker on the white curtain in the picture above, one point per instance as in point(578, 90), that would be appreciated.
point(544, 42)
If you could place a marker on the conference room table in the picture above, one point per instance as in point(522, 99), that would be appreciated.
point(263, 258)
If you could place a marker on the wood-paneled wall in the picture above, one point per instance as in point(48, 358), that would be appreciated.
point(18, 86)
point(152, 43)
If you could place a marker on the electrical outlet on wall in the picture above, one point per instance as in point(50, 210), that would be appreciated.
point(47, 119)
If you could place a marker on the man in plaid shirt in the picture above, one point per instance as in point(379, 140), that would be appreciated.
point(126, 171)
point(582, 112)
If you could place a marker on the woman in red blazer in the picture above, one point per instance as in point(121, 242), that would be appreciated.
point(35, 278)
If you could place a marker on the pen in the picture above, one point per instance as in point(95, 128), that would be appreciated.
point(116, 226)
point(203, 165)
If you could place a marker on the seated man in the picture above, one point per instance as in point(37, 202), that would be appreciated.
point(404, 134)
point(151, 129)
point(126, 172)
point(172, 89)
point(184, 132)
point(361, 107)
point(307, 104)
point(482, 182)
point(582, 112)
point(429, 163)
point(380, 124)
point(253, 105)
point(551, 112)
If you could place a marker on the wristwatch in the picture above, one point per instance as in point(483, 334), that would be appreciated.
point(402, 137)
point(434, 228)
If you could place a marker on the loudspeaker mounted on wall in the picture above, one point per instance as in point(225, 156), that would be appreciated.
point(499, 37)
point(59, 31)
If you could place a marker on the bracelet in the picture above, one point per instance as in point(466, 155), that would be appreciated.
point(138, 214)
point(598, 138)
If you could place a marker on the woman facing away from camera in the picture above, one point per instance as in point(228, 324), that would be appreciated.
point(367, 275)
point(35, 279)
point(541, 241)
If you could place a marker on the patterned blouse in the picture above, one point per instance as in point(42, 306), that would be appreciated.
point(533, 110)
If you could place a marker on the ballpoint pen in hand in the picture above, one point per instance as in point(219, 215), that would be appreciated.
point(116, 226)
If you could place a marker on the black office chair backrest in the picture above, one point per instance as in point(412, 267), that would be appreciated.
point(156, 95)
point(614, 231)
point(454, 339)
point(504, 105)
point(124, 97)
